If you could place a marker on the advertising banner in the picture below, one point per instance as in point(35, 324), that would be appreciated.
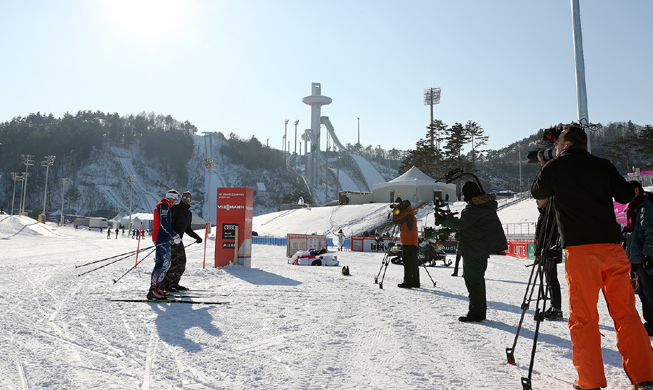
point(518, 248)
point(233, 235)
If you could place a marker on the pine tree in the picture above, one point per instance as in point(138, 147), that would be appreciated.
point(477, 139)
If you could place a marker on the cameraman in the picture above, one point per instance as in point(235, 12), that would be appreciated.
point(481, 234)
point(583, 187)
point(404, 215)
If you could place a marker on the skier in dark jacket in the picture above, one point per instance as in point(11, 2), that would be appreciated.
point(162, 235)
point(181, 223)
point(481, 234)
point(583, 188)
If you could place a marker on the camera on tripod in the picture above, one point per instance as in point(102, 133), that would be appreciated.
point(399, 205)
point(549, 136)
point(441, 209)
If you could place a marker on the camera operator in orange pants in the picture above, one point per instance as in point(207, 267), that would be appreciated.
point(583, 187)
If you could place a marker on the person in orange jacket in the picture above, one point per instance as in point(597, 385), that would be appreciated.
point(583, 187)
point(404, 215)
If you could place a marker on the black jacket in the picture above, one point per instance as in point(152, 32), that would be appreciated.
point(583, 187)
point(481, 233)
point(181, 220)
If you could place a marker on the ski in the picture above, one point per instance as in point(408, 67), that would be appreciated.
point(174, 300)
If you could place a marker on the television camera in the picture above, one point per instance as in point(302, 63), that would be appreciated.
point(549, 136)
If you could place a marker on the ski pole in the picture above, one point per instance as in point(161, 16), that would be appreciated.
point(132, 268)
point(102, 266)
point(109, 258)
point(116, 280)
point(115, 261)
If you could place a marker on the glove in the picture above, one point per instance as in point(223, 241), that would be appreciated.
point(176, 239)
point(438, 219)
point(199, 240)
point(647, 264)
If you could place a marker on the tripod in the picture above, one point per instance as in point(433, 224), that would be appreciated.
point(386, 258)
point(544, 260)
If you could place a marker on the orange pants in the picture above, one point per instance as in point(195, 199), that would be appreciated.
point(591, 268)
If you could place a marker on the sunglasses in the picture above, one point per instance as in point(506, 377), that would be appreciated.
point(185, 197)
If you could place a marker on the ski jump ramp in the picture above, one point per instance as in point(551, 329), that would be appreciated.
point(367, 171)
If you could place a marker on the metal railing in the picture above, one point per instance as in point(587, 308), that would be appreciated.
point(521, 229)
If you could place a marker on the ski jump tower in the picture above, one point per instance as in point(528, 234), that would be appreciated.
point(316, 101)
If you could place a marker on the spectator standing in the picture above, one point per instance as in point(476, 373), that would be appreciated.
point(639, 248)
point(481, 234)
point(583, 187)
point(341, 239)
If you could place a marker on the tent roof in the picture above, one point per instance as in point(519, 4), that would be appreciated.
point(412, 174)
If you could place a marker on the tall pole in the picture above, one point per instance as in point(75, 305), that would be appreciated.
point(581, 88)
point(520, 169)
point(64, 182)
point(209, 164)
point(285, 135)
point(296, 123)
point(15, 176)
point(132, 180)
point(28, 161)
point(359, 130)
point(49, 160)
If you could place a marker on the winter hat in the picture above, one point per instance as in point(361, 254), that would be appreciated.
point(172, 194)
point(187, 193)
point(470, 190)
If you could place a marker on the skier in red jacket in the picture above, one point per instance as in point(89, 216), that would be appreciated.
point(162, 234)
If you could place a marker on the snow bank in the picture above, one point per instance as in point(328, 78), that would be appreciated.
point(11, 225)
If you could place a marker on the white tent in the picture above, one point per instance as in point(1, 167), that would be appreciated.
point(413, 185)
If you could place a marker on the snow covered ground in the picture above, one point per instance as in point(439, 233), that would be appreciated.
point(285, 326)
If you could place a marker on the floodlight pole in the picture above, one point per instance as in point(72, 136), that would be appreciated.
point(432, 97)
point(285, 137)
point(15, 176)
point(47, 163)
point(28, 160)
point(132, 180)
point(581, 87)
point(64, 182)
point(209, 164)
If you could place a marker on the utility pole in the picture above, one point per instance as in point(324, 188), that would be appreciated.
point(15, 176)
point(131, 179)
point(209, 164)
point(64, 182)
point(28, 160)
point(48, 162)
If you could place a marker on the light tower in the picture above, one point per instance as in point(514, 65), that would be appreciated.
point(48, 162)
point(28, 160)
point(209, 164)
point(431, 98)
point(316, 101)
point(131, 179)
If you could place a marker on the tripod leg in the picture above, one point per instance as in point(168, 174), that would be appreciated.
point(530, 288)
point(427, 272)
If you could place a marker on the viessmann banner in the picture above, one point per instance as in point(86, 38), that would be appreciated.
point(233, 236)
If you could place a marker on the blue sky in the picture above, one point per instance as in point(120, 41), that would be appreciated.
point(244, 66)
